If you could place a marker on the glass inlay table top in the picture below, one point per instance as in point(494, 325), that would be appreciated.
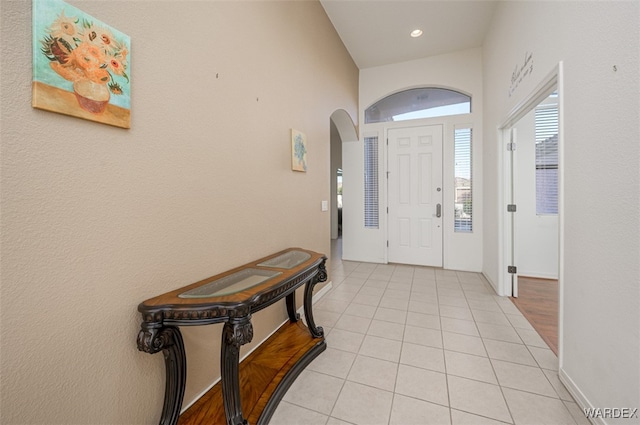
point(288, 260)
point(231, 284)
point(230, 298)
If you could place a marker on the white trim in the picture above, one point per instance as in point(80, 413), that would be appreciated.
point(504, 221)
point(491, 282)
point(561, 212)
point(578, 396)
point(537, 275)
point(553, 80)
point(199, 396)
point(541, 92)
point(315, 299)
point(503, 234)
point(318, 295)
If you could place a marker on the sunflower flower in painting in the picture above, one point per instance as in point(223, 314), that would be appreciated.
point(65, 31)
point(81, 51)
point(99, 36)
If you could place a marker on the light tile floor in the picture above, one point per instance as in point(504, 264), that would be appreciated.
point(417, 345)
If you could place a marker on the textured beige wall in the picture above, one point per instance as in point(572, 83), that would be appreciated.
point(96, 219)
point(599, 182)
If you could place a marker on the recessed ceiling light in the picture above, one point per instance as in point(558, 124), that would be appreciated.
point(416, 33)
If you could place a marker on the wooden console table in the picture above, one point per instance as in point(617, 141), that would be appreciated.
point(231, 298)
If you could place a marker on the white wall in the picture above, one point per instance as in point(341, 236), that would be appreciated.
point(96, 219)
point(536, 236)
point(343, 130)
point(600, 273)
point(461, 71)
point(336, 163)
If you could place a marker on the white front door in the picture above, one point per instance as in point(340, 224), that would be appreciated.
point(415, 195)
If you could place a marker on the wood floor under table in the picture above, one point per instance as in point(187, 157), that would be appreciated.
point(259, 375)
point(538, 302)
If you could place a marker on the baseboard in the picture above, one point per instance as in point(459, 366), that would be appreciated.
point(493, 285)
point(316, 297)
point(578, 396)
point(536, 275)
point(321, 293)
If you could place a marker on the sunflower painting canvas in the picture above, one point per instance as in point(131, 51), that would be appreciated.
point(81, 66)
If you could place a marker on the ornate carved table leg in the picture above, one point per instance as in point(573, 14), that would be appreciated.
point(153, 338)
point(291, 307)
point(236, 333)
point(316, 331)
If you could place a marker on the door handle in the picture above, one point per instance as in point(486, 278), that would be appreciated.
point(438, 210)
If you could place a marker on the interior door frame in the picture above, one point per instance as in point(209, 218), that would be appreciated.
point(553, 79)
point(512, 189)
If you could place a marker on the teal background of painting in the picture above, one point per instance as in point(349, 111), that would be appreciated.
point(47, 11)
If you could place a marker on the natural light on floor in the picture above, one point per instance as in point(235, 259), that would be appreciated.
point(418, 345)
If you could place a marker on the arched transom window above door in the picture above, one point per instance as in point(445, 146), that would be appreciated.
point(426, 102)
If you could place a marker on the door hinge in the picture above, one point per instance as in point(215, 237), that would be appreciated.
point(387, 210)
point(387, 244)
point(511, 146)
point(512, 269)
point(511, 207)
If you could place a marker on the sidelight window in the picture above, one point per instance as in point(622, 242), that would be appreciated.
point(463, 187)
point(371, 205)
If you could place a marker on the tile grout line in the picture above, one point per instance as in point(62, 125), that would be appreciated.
point(349, 371)
point(402, 342)
point(444, 357)
point(491, 364)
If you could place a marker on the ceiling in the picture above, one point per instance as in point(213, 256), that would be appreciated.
point(376, 32)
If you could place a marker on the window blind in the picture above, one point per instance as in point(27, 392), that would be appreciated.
point(463, 184)
point(371, 210)
point(546, 124)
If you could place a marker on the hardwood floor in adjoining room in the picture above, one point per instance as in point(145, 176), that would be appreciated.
point(538, 301)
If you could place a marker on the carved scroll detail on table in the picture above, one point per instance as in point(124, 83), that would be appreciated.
point(322, 272)
point(238, 334)
point(234, 335)
point(153, 340)
point(321, 276)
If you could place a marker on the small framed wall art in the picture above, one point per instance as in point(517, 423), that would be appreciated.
point(298, 151)
point(81, 66)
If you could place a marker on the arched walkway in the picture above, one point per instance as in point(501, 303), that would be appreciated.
point(342, 130)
